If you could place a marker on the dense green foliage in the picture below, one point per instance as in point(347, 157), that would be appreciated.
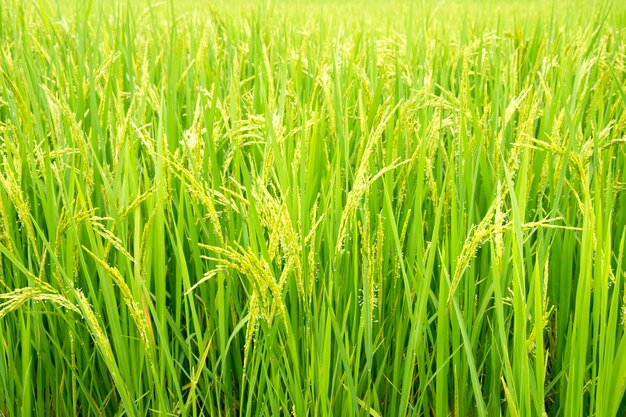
point(312, 209)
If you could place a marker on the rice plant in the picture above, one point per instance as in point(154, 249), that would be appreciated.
point(316, 208)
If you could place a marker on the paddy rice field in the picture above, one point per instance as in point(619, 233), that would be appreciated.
point(312, 208)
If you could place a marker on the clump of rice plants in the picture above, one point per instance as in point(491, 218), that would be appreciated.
point(313, 208)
